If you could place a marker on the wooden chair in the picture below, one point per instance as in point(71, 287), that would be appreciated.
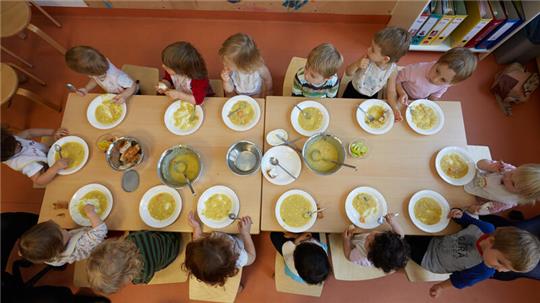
point(148, 77)
point(295, 64)
point(217, 87)
point(58, 24)
point(343, 84)
point(416, 273)
point(201, 291)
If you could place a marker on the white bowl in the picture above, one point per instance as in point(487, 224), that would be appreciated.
point(74, 203)
point(360, 117)
point(354, 216)
point(436, 108)
point(218, 189)
point(278, 215)
point(169, 119)
point(273, 139)
point(288, 158)
point(145, 200)
point(443, 223)
point(229, 105)
point(52, 152)
point(91, 112)
point(296, 112)
point(465, 155)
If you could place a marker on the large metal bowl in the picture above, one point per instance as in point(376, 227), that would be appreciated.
point(113, 154)
point(335, 141)
point(165, 160)
point(244, 158)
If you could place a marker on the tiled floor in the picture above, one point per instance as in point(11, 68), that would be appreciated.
point(139, 40)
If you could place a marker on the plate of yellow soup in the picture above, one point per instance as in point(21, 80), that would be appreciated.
point(183, 118)
point(215, 205)
point(314, 119)
point(429, 211)
point(160, 206)
point(381, 112)
point(73, 148)
point(241, 113)
point(97, 195)
point(292, 209)
point(104, 113)
point(425, 117)
point(455, 166)
point(364, 205)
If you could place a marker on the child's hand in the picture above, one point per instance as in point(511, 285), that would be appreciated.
point(82, 91)
point(193, 221)
point(59, 133)
point(226, 75)
point(119, 99)
point(348, 233)
point(61, 163)
point(89, 209)
point(397, 114)
point(244, 225)
point(162, 87)
point(435, 290)
point(364, 63)
point(173, 94)
point(303, 237)
point(455, 213)
point(474, 209)
point(389, 217)
point(404, 99)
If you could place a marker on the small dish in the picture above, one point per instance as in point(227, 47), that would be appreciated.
point(358, 149)
point(273, 137)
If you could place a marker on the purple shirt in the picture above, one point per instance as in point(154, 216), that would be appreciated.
point(414, 80)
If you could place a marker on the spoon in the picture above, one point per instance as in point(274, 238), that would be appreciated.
point(71, 87)
point(312, 212)
point(233, 217)
point(275, 162)
point(181, 167)
point(193, 115)
point(240, 107)
point(370, 117)
point(289, 143)
point(58, 149)
point(381, 219)
point(316, 156)
point(305, 114)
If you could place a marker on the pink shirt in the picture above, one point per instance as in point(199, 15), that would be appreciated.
point(414, 80)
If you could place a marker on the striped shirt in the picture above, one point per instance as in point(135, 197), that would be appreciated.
point(327, 89)
point(158, 250)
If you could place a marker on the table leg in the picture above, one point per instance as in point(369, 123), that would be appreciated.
point(45, 13)
point(35, 98)
point(46, 37)
point(15, 56)
point(38, 80)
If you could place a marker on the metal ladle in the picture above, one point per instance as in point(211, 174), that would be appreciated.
point(316, 156)
point(180, 167)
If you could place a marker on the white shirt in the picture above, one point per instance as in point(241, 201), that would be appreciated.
point(371, 80)
point(247, 83)
point(489, 186)
point(359, 252)
point(114, 81)
point(31, 159)
point(239, 249)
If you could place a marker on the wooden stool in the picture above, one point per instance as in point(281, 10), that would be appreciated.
point(295, 64)
point(203, 292)
point(217, 87)
point(416, 273)
point(148, 77)
point(45, 13)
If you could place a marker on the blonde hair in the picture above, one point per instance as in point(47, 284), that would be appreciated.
point(42, 243)
point(86, 60)
point(324, 59)
point(527, 181)
point(184, 59)
point(519, 246)
point(393, 41)
point(242, 51)
point(461, 60)
point(112, 263)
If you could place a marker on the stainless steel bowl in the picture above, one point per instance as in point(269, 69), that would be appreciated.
point(113, 154)
point(335, 141)
point(244, 158)
point(165, 160)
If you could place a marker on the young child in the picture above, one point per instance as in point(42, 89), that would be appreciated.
point(378, 68)
point(133, 259)
point(89, 61)
point(186, 77)
point(212, 258)
point(30, 157)
point(501, 186)
point(385, 250)
point(244, 71)
point(430, 80)
point(47, 243)
point(318, 78)
point(306, 258)
point(474, 253)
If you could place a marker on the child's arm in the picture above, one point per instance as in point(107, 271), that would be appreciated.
point(391, 95)
point(244, 225)
point(402, 94)
point(390, 218)
point(178, 95)
point(347, 243)
point(490, 207)
point(228, 85)
point(434, 98)
point(494, 166)
point(267, 82)
point(44, 178)
point(89, 87)
point(41, 132)
point(90, 211)
point(437, 289)
point(465, 220)
point(195, 225)
point(127, 93)
point(361, 63)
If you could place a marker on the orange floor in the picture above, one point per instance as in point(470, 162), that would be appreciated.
point(139, 40)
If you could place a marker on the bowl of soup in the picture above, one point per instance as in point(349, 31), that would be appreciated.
point(177, 164)
point(323, 152)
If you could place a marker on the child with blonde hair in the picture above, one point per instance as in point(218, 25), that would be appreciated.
point(244, 71)
point(89, 61)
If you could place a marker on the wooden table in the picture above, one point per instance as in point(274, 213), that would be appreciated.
point(399, 164)
point(144, 121)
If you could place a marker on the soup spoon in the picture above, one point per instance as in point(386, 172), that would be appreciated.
point(312, 212)
point(381, 220)
point(58, 149)
point(305, 114)
point(233, 217)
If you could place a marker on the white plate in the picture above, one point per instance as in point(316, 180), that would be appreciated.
point(91, 112)
point(229, 105)
point(354, 216)
point(442, 202)
point(313, 207)
point(74, 203)
point(169, 119)
point(52, 152)
point(436, 108)
point(272, 137)
point(360, 117)
point(218, 189)
point(288, 158)
point(465, 155)
point(308, 133)
point(148, 195)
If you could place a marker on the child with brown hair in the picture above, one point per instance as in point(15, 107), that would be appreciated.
point(214, 257)
point(244, 71)
point(89, 61)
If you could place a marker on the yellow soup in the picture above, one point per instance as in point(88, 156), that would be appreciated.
point(96, 198)
point(365, 205)
point(326, 152)
point(293, 210)
point(424, 117)
point(428, 211)
point(454, 166)
point(311, 119)
point(185, 163)
point(217, 207)
point(242, 113)
point(73, 151)
point(378, 113)
point(185, 117)
point(108, 112)
point(161, 206)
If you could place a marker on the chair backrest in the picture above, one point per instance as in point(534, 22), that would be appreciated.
point(217, 87)
point(201, 291)
point(343, 84)
point(295, 64)
point(416, 273)
point(148, 77)
point(286, 284)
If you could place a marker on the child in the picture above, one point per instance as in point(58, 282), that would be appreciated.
point(429, 80)
point(212, 258)
point(370, 73)
point(475, 253)
point(502, 186)
point(186, 77)
point(306, 258)
point(30, 157)
point(89, 61)
point(244, 71)
point(47, 243)
point(385, 250)
point(131, 259)
point(318, 79)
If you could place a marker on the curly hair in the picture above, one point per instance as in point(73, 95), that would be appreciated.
point(388, 251)
point(8, 145)
point(42, 243)
point(311, 262)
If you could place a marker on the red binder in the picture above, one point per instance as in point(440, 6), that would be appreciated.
point(498, 18)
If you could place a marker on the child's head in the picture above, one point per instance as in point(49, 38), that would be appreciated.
point(389, 45)
point(453, 66)
point(9, 145)
point(322, 63)
point(183, 59)
point(512, 249)
point(211, 259)
point(86, 60)
point(525, 181)
point(43, 242)
point(311, 262)
point(113, 264)
point(239, 52)
point(387, 250)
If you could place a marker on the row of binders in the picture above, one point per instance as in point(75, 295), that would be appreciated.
point(474, 24)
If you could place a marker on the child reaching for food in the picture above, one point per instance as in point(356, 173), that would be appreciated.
point(378, 68)
point(215, 257)
point(501, 186)
point(47, 243)
point(22, 154)
point(244, 71)
point(89, 61)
